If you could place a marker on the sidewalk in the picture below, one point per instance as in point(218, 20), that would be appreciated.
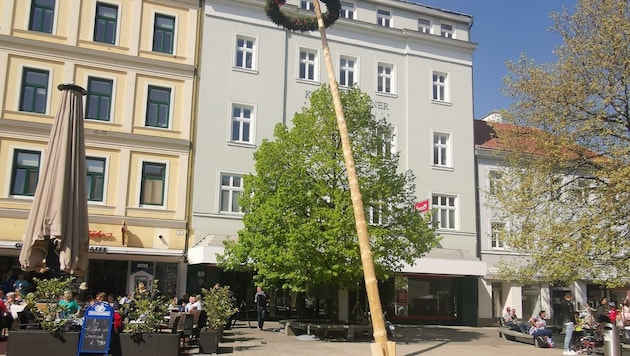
point(410, 341)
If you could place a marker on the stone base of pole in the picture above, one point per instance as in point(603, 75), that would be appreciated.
point(377, 350)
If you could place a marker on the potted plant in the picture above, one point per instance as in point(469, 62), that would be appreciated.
point(141, 321)
point(218, 303)
point(54, 335)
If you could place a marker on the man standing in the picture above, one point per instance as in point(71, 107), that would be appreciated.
point(260, 299)
point(567, 317)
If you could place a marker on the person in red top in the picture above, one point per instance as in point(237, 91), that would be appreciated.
point(6, 319)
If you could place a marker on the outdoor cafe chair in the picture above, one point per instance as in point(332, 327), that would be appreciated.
point(187, 331)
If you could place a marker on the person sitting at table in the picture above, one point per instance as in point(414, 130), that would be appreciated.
point(70, 305)
point(193, 304)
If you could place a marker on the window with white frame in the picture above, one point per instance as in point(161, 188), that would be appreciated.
point(496, 235)
point(245, 52)
point(494, 182)
point(347, 10)
point(308, 64)
point(347, 69)
point(158, 107)
point(384, 18)
point(25, 172)
point(163, 33)
point(98, 105)
point(424, 25)
point(307, 5)
point(231, 188)
point(153, 183)
point(446, 30)
point(242, 123)
point(442, 149)
point(375, 214)
point(385, 78)
point(388, 136)
point(440, 86)
point(446, 215)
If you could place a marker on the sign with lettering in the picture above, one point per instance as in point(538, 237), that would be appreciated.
point(97, 329)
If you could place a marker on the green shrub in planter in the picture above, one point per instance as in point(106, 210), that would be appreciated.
point(219, 306)
point(47, 293)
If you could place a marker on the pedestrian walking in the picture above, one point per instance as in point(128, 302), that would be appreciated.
point(260, 299)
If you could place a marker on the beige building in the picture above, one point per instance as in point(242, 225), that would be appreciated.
point(137, 60)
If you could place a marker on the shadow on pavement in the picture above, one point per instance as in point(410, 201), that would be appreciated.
point(415, 334)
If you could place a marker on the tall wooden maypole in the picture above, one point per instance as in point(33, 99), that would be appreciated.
point(382, 345)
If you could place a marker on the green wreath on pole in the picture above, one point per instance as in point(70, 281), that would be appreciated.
point(301, 23)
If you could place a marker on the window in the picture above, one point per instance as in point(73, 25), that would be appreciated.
point(446, 30)
point(242, 119)
point(99, 99)
point(375, 215)
point(95, 178)
point(347, 68)
point(347, 10)
point(25, 172)
point(496, 232)
point(307, 5)
point(245, 48)
point(494, 182)
point(424, 25)
point(388, 143)
point(163, 33)
point(34, 90)
point(439, 86)
point(445, 216)
point(231, 188)
point(153, 179)
point(383, 18)
point(441, 149)
point(308, 64)
point(385, 74)
point(42, 15)
point(158, 107)
point(105, 23)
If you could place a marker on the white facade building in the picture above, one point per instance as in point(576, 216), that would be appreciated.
point(416, 64)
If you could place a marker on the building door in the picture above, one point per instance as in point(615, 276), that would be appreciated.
point(108, 276)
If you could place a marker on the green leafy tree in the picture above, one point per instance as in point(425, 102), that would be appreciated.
point(567, 152)
point(299, 227)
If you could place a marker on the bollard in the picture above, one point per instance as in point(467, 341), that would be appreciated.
point(612, 344)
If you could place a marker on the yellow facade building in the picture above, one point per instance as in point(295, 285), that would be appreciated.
point(137, 60)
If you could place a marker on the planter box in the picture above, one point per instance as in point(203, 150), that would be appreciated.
point(209, 341)
point(40, 342)
point(127, 344)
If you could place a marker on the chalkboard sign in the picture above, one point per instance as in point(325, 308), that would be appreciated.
point(96, 330)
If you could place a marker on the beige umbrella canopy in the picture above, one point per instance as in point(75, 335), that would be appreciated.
point(58, 218)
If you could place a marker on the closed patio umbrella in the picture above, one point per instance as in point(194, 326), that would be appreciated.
point(58, 218)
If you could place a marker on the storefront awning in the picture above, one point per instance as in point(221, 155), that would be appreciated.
point(447, 266)
point(204, 254)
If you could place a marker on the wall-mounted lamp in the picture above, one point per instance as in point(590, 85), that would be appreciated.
point(161, 237)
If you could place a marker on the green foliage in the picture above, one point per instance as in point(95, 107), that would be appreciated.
point(218, 304)
point(299, 227)
point(48, 292)
point(570, 187)
point(149, 308)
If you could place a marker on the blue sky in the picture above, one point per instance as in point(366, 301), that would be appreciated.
point(503, 29)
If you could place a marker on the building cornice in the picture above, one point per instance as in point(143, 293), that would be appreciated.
point(64, 53)
point(94, 137)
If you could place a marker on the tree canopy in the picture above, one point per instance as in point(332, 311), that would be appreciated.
point(299, 229)
point(567, 155)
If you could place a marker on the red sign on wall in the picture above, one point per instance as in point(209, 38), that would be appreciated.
point(422, 206)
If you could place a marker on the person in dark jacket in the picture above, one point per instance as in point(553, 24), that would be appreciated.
point(567, 318)
point(602, 311)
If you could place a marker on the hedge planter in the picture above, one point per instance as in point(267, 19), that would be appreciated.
point(40, 342)
point(128, 344)
point(209, 341)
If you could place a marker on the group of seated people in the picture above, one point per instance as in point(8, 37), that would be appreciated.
point(536, 326)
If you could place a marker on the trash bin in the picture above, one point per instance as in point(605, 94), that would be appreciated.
point(612, 344)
